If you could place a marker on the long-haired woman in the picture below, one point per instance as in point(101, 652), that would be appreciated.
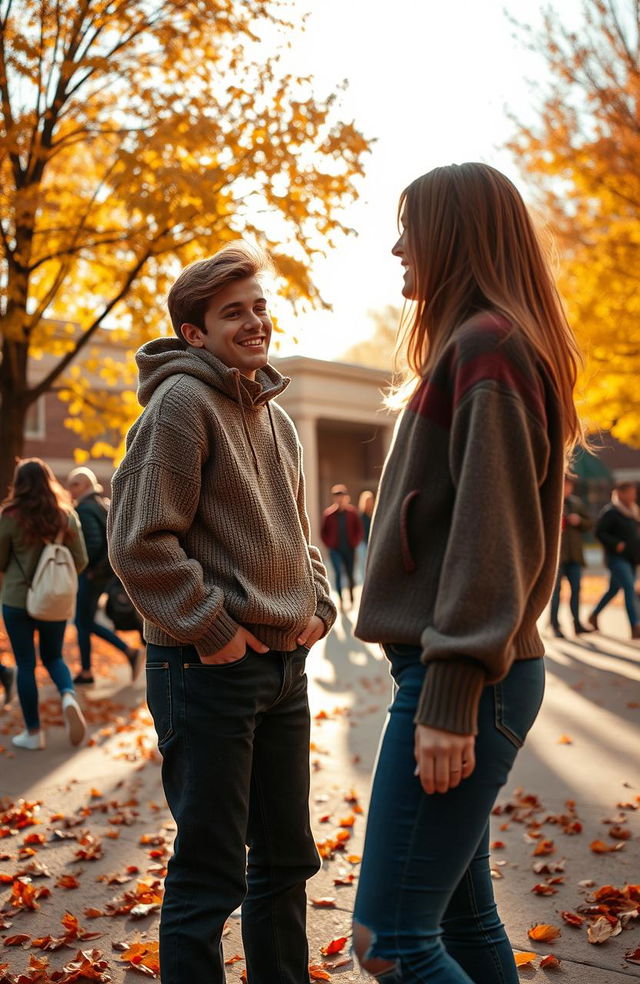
point(462, 561)
point(35, 512)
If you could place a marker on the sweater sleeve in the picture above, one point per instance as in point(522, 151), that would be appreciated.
point(325, 609)
point(155, 495)
point(75, 541)
point(498, 458)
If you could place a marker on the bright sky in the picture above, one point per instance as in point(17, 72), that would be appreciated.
point(431, 80)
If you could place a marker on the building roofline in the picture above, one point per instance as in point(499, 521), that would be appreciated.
point(324, 367)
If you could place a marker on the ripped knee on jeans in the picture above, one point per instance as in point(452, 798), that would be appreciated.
point(364, 946)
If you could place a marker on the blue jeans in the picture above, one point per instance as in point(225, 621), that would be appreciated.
point(21, 629)
point(234, 740)
point(343, 560)
point(622, 575)
point(425, 889)
point(89, 592)
point(572, 572)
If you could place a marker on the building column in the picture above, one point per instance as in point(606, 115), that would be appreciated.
point(308, 434)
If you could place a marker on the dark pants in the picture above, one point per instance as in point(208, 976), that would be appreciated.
point(622, 575)
point(343, 559)
point(572, 572)
point(425, 889)
point(235, 745)
point(21, 629)
point(89, 592)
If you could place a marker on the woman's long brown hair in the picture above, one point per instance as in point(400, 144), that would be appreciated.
point(473, 247)
point(37, 501)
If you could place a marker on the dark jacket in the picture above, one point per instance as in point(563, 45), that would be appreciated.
point(330, 531)
point(571, 551)
point(92, 513)
point(614, 528)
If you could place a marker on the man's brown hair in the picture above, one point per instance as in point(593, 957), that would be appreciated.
point(191, 294)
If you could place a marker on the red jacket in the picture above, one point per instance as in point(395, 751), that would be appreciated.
point(329, 529)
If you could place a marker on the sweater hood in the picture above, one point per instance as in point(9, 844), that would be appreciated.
point(165, 357)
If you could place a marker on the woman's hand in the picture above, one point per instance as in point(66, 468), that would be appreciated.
point(443, 758)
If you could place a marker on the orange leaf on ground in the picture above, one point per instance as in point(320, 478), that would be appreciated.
point(18, 940)
point(565, 740)
point(233, 959)
point(572, 919)
point(335, 946)
point(543, 933)
point(522, 957)
point(67, 881)
point(544, 889)
point(544, 847)
point(602, 930)
point(633, 956)
point(599, 847)
point(324, 903)
point(143, 957)
point(549, 962)
point(318, 973)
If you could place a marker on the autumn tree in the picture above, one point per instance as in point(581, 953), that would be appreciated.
point(379, 350)
point(583, 157)
point(135, 137)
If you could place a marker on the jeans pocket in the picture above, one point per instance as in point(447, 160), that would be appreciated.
point(159, 700)
point(518, 698)
point(191, 661)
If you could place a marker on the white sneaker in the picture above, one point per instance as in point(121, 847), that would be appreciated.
point(74, 719)
point(32, 742)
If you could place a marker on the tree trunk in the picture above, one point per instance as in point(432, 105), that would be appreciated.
point(14, 394)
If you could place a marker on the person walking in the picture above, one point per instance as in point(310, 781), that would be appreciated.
point(366, 504)
point(461, 564)
point(93, 582)
point(341, 531)
point(210, 537)
point(618, 529)
point(575, 522)
point(36, 512)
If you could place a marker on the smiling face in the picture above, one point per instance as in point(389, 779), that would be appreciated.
point(237, 327)
point(401, 250)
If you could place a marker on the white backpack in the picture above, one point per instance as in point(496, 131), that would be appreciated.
point(52, 593)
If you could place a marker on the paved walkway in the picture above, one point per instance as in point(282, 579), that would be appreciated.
point(106, 832)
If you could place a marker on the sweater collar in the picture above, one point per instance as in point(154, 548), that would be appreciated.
point(162, 358)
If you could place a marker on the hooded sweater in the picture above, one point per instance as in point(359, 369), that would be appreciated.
point(208, 527)
point(464, 541)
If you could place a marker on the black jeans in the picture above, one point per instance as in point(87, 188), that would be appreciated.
point(235, 745)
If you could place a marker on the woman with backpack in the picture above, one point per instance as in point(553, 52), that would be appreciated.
point(36, 513)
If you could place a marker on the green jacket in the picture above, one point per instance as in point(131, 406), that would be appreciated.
point(14, 548)
point(571, 551)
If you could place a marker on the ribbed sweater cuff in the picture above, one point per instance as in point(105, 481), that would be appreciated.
point(217, 635)
point(326, 611)
point(450, 696)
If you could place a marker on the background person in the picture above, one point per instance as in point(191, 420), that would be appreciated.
point(341, 531)
point(92, 512)
point(35, 512)
point(366, 504)
point(575, 522)
point(461, 564)
point(619, 533)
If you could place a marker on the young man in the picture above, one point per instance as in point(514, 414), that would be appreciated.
point(92, 582)
point(341, 532)
point(210, 537)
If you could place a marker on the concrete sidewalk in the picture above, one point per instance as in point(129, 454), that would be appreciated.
point(584, 747)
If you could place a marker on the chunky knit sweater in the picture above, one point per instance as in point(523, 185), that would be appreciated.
point(208, 528)
point(464, 540)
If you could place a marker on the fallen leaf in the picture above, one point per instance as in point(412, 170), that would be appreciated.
point(565, 740)
point(543, 933)
point(544, 889)
point(599, 847)
point(335, 946)
point(544, 847)
point(633, 956)
point(549, 962)
point(318, 973)
point(601, 930)
point(572, 919)
point(324, 903)
point(522, 957)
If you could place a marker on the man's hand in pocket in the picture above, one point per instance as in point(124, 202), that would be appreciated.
point(236, 648)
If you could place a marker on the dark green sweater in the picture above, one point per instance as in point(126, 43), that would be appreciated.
point(19, 558)
point(464, 541)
